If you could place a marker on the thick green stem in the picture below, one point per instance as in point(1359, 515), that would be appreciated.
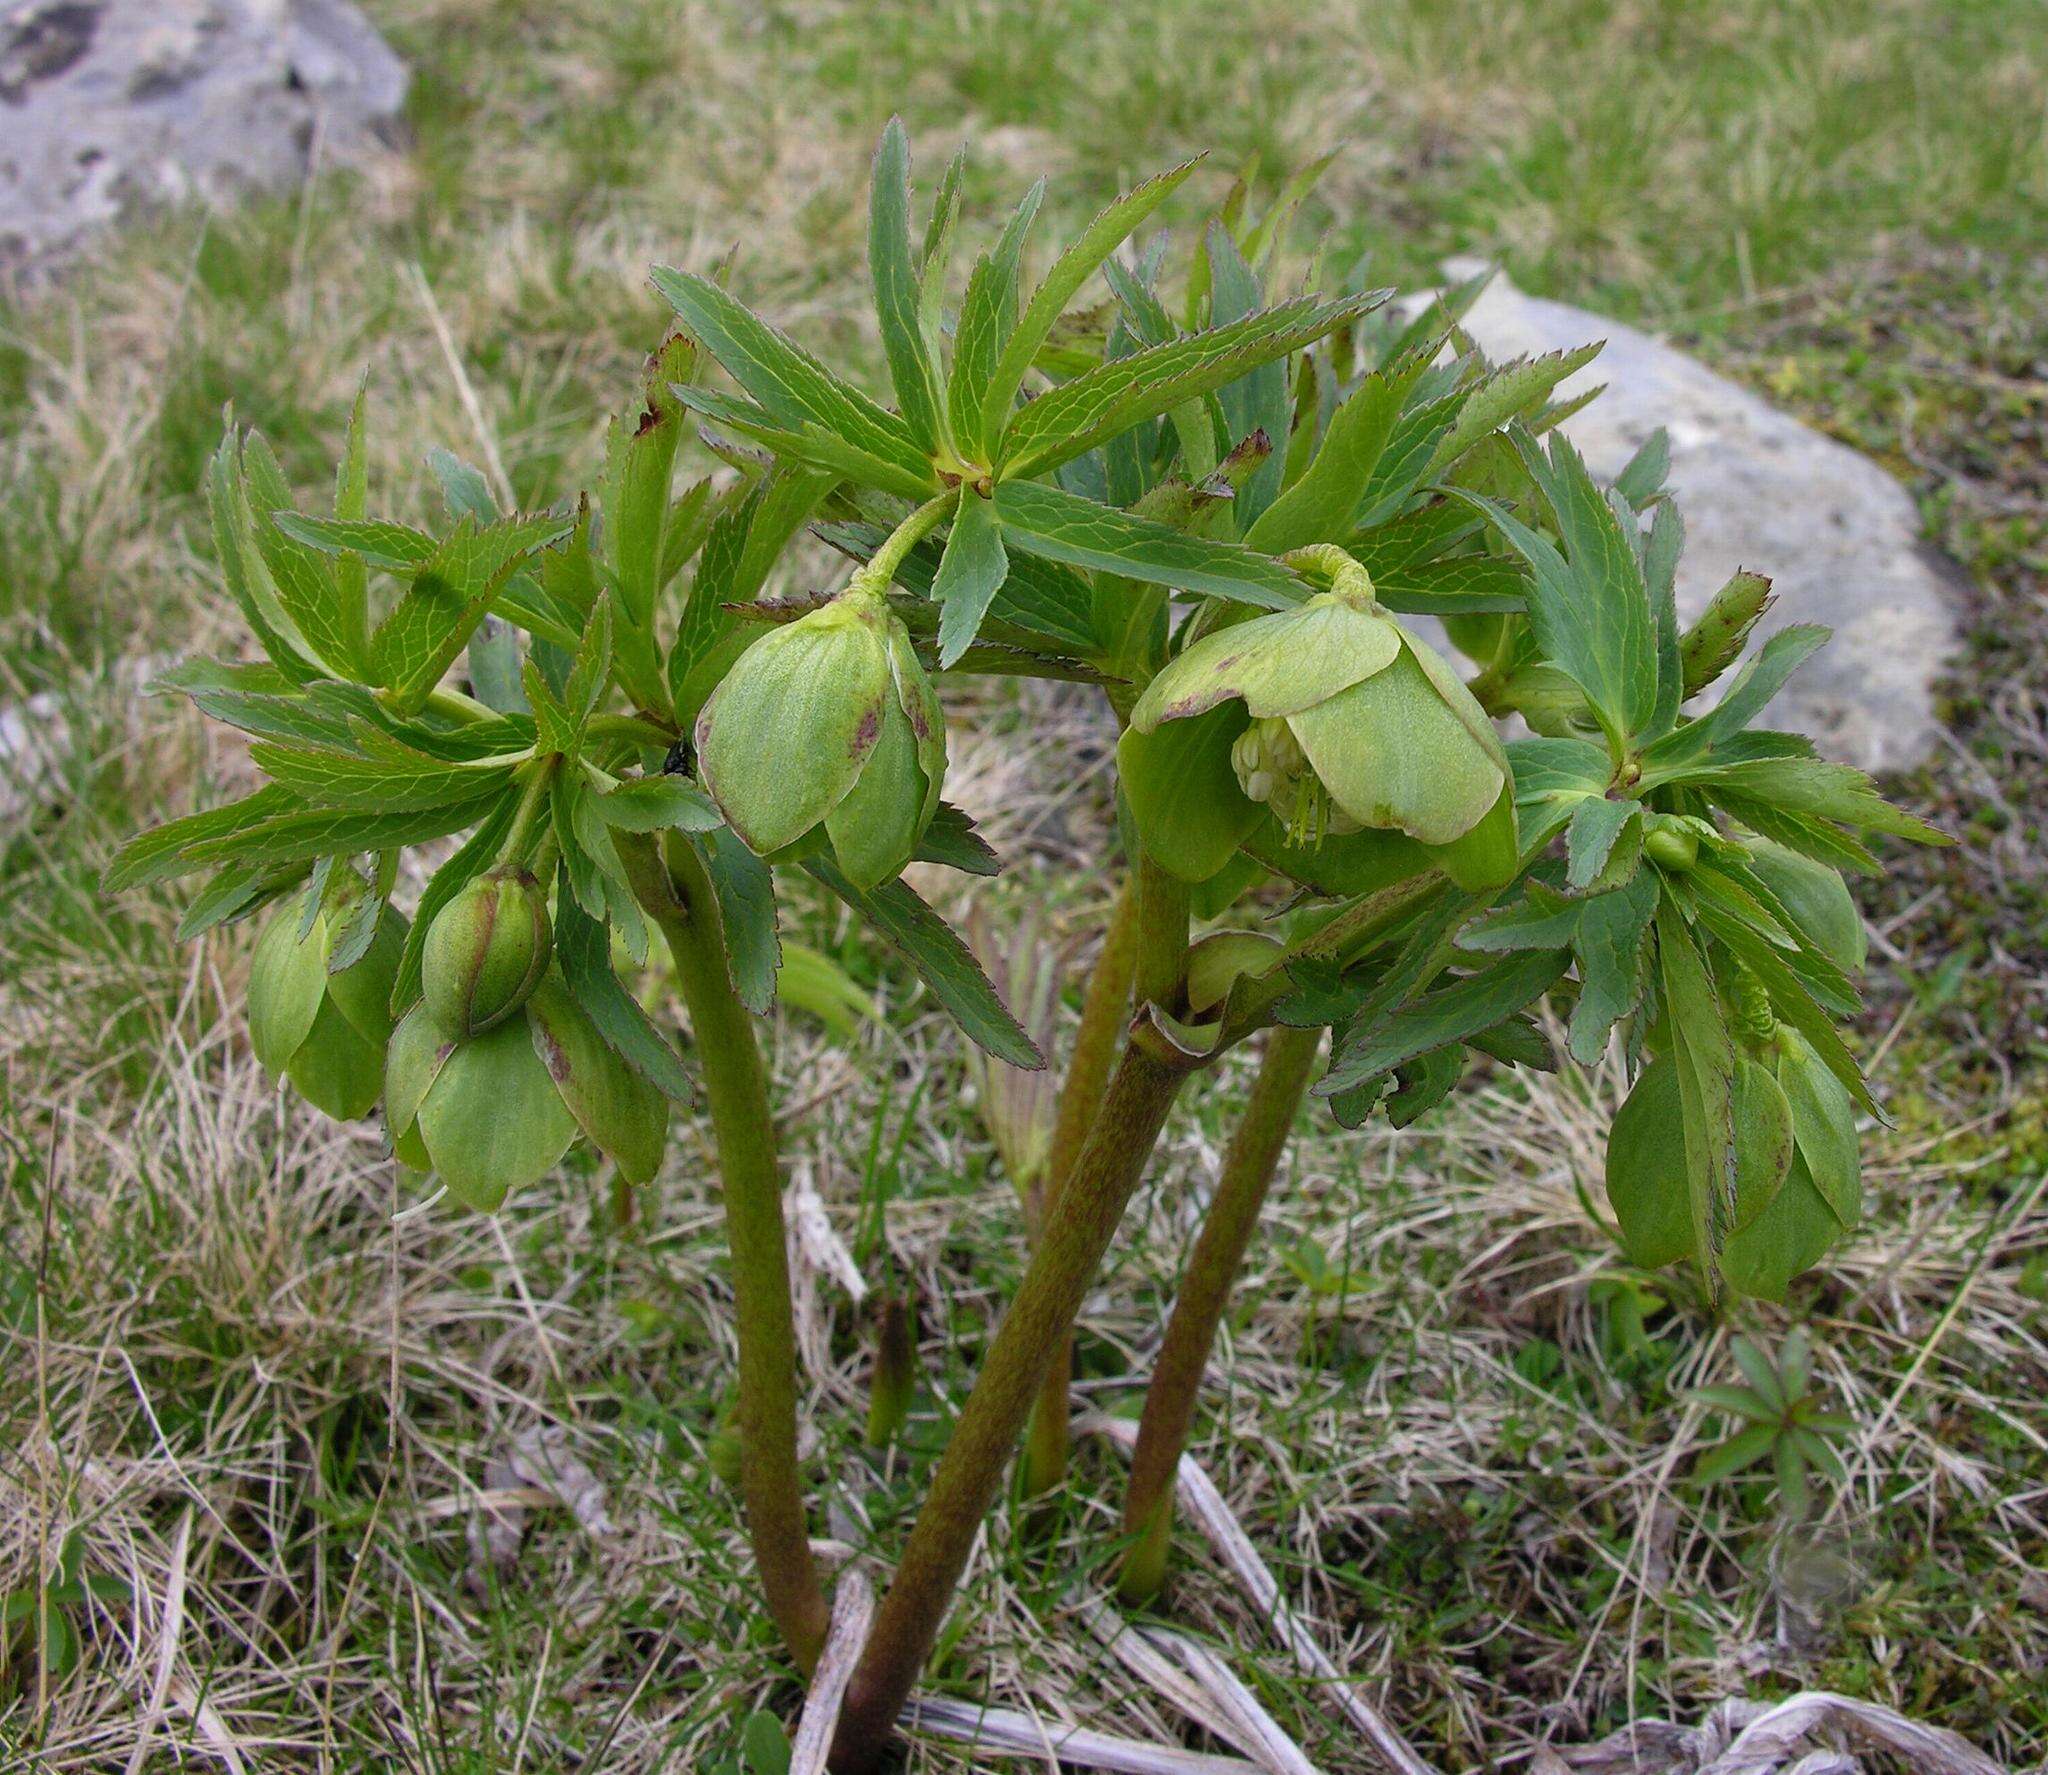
point(1105, 1008)
point(970, 1472)
point(1248, 1168)
point(1070, 1248)
point(680, 899)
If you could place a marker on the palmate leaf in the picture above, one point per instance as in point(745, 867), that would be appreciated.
point(1069, 272)
point(1403, 467)
point(1505, 394)
point(1589, 607)
point(1081, 414)
point(1464, 585)
point(659, 804)
point(274, 828)
point(394, 547)
point(378, 774)
point(745, 890)
point(1043, 520)
point(943, 962)
point(952, 841)
point(897, 288)
point(331, 615)
point(248, 579)
point(450, 593)
point(792, 387)
point(1763, 675)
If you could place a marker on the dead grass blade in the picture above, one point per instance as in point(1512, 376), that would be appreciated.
point(1202, 1501)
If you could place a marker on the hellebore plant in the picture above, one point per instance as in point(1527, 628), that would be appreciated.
point(1220, 521)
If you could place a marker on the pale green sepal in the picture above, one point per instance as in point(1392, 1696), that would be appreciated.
point(1823, 1125)
point(1274, 664)
point(287, 985)
point(786, 732)
point(1792, 1235)
point(625, 1117)
point(335, 1069)
point(413, 1059)
point(494, 1121)
point(1392, 753)
point(875, 828)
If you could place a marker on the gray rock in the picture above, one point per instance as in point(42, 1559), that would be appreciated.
point(108, 106)
point(1839, 538)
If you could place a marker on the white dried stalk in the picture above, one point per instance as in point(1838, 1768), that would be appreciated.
point(1205, 1504)
point(1271, 1748)
point(1159, 1673)
point(853, 1609)
point(1001, 1732)
point(1775, 1738)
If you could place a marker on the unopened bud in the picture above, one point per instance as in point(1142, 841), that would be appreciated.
point(485, 952)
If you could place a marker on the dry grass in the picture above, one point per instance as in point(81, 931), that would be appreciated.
point(258, 1404)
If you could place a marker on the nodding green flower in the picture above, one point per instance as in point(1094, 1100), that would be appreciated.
point(828, 726)
point(486, 951)
point(1353, 724)
point(494, 1112)
point(325, 1030)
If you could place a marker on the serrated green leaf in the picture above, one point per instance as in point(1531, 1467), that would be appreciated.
point(396, 547)
point(1319, 507)
point(1596, 831)
point(952, 841)
point(942, 962)
point(1504, 394)
point(1704, 1058)
point(1107, 400)
point(583, 950)
point(1614, 962)
point(1069, 272)
point(971, 572)
point(810, 446)
point(745, 888)
point(659, 804)
point(1043, 520)
point(897, 289)
point(450, 593)
point(791, 386)
point(1453, 1013)
point(381, 776)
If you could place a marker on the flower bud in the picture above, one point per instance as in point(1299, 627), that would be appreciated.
point(324, 1031)
point(495, 1112)
point(486, 951)
point(828, 726)
point(1670, 844)
point(1349, 724)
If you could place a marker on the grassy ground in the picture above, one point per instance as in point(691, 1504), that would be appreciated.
point(246, 1414)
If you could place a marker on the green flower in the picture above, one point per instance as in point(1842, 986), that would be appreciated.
point(827, 728)
point(323, 1027)
point(486, 951)
point(1344, 722)
point(497, 1111)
